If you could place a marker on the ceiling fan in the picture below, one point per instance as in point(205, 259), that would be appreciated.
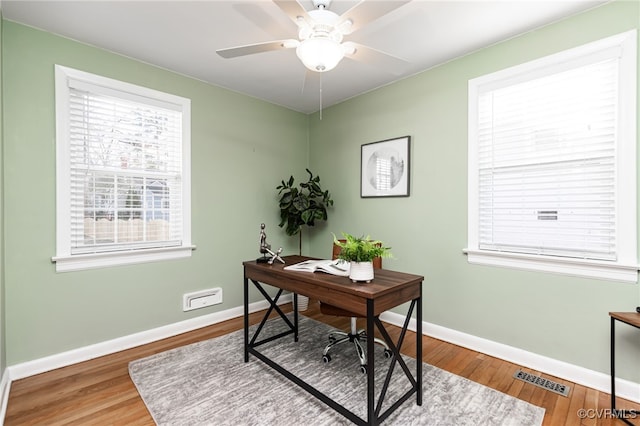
point(321, 32)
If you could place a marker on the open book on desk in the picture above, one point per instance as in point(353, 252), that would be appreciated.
point(333, 267)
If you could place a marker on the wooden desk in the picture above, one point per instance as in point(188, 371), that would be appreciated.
point(387, 290)
point(633, 319)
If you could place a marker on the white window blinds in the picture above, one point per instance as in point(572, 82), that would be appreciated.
point(122, 173)
point(547, 163)
point(126, 167)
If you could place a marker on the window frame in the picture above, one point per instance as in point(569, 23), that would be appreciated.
point(625, 267)
point(64, 259)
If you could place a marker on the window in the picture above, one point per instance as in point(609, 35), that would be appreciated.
point(552, 163)
point(123, 173)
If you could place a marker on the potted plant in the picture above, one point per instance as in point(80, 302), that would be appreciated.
point(300, 206)
point(360, 252)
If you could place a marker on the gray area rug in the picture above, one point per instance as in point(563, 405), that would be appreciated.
point(207, 383)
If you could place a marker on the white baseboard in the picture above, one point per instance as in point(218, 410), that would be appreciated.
point(86, 353)
point(593, 379)
point(583, 376)
point(5, 388)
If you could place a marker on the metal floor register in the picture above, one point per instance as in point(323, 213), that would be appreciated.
point(542, 382)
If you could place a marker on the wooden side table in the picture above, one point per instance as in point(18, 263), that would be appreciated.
point(633, 319)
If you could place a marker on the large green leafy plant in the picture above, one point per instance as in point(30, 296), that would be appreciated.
point(302, 205)
point(360, 249)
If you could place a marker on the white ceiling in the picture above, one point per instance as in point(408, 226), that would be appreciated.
point(183, 36)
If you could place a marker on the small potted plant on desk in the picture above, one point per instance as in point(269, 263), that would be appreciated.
point(360, 252)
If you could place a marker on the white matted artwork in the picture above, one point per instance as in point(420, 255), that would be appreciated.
point(384, 168)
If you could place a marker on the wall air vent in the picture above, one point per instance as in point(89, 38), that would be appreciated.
point(201, 299)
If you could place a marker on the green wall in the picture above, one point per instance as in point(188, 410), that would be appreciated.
point(3, 359)
point(557, 316)
point(241, 149)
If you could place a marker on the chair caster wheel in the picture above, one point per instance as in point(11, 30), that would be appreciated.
point(387, 353)
point(326, 359)
point(363, 369)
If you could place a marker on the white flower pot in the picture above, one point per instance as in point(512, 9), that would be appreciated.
point(361, 271)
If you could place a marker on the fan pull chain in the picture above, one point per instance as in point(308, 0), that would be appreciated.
point(320, 96)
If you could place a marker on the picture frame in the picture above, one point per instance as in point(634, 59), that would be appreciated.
point(385, 167)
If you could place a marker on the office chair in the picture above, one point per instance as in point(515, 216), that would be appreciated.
point(356, 336)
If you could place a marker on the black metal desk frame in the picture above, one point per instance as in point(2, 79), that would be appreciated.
point(619, 414)
point(374, 414)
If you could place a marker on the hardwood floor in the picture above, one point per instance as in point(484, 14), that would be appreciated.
point(100, 392)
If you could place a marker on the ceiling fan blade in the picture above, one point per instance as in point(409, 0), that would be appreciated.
point(367, 11)
point(374, 57)
point(250, 49)
point(294, 10)
point(255, 13)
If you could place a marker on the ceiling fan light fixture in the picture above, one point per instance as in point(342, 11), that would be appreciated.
point(345, 26)
point(305, 32)
point(320, 54)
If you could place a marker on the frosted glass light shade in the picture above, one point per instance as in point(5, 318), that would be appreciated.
point(320, 54)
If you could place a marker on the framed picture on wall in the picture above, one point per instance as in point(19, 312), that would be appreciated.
point(384, 168)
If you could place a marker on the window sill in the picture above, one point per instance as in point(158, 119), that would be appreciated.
point(103, 260)
point(575, 267)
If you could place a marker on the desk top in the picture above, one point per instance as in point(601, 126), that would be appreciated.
point(632, 318)
point(388, 288)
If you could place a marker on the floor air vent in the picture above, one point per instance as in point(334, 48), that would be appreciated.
point(542, 382)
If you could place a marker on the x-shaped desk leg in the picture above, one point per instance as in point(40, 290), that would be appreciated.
point(273, 304)
point(374, 413)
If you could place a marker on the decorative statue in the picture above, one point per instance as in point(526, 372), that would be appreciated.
point(265, 248)
point(263, 240)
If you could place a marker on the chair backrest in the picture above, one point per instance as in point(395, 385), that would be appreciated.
point(377, 262)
